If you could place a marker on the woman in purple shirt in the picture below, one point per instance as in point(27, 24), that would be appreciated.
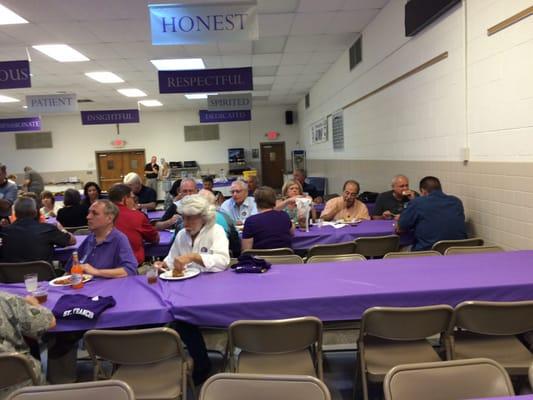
point(270, 229)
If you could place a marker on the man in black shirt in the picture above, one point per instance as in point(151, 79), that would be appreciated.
point(170, 218)
point(29, 240)
point(390, 204)
point(151, 172)
point(146, 197)
point(299, 175)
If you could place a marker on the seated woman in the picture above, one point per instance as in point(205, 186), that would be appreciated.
point(48, 201)
point(270, 228)
point(290, 192)
point(91, 193)
point(73, 213)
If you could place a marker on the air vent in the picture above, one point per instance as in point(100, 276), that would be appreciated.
point(85, 101)
point(33, 140)
point(194, 133)
point(356, 53)
point(307, 101)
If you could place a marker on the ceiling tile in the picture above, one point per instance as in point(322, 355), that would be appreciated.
point(351, 21)
point(277, 6)
point(296, 58)
point(262, 87)
point(363, 4)
point(263, 80)
point(235, 48)
point(311, 24)
point(269, 45)
point(302, 44)
point(262, 60)
point(320, 5)
point(290, 69)
point(326, 57)
point(236, 61)
point(275, 24)
point(265, 71)
point(129, 30)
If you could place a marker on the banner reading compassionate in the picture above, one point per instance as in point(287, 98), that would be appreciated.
point(15, 74)
point(52, 103)
point(206, 80)
point(109, 117)
point(27, 124)
point(207, 23)
point(225, 116)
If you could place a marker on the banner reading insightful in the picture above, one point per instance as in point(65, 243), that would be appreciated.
point(229, 102)
point(27, 124)
point(225, 116)
point(52, 103)
point(15, 74)
point(206, 80)
point(109, 117)
point(206, 23)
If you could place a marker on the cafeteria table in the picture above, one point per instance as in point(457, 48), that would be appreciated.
point(331, 291)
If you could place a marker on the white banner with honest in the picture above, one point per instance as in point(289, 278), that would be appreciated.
point(52, 103)
point(229, 102)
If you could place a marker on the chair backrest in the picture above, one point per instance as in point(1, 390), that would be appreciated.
point(134, 347)
point(320, 184)
point(442, 245)
point(405, 323)
point(530, 375)
point(228, 386)
point(333, 258)
point(108, 389)
point(331, 249)
point(330, 196)
point(16, 368)
point(288, 259)
point(73, 229)
point(283, 251)
point(407, 254)
point(264, 336)
point(377, 246)
point(82, 231)
point(14, 272)
point(450, 251)
point(448, 380)
point(494, 318)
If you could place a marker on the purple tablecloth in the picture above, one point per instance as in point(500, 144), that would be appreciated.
point(156, 214)
point(330, 291)
point(320, 207)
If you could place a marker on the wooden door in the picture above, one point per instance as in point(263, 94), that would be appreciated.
point(273, 164)
point(114, 165)
point(133, 161)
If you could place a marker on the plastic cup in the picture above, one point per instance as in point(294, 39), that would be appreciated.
point(151, 275)
point(319, 222)
point(31, 282)
point(41, 294)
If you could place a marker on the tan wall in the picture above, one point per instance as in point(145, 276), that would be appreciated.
point(498, 196)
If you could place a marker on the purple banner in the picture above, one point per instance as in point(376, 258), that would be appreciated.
point(20, 124)
point(206, 80)
point(109, 117)
point(225, 116)
point(15, 74)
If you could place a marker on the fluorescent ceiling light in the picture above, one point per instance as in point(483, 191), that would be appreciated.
point(104, 77)
point(7, 99)
point(61, 52)
point(178, 64)
point(151, 103)
point(131, 92)
point(8, 17)
point(198, 96)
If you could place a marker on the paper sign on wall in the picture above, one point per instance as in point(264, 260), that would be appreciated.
point(319, 131)
point(52, 103)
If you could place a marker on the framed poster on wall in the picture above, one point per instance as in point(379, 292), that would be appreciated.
point(319, 131)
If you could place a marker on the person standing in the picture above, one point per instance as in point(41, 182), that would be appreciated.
point(8, 195)
point(151, 172)
point(33, 181)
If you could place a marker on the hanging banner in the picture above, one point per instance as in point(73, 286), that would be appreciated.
point(15, 74)
point(206, 80)
point(109, 117)
point(27, 124)
point(229, 102)
point(52, 103)
point(224, 116)
point(199, 24)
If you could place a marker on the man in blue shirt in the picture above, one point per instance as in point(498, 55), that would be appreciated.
point(433, 216)
point(240, 206)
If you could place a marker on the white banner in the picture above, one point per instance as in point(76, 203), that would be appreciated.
point(207, 23)
point(229, 102)
point(52, 103)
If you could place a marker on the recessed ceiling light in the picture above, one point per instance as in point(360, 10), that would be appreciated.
point(151, 103)
point(8, 17)
point(198, 96)
point(178, 64)
point(131, 92)
point(104, 77)
point(24, 106)
point(7, 99)
point(61, 52)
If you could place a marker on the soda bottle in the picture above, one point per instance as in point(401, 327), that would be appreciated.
point(76, 272)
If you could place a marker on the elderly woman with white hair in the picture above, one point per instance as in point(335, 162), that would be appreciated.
point(201, 243)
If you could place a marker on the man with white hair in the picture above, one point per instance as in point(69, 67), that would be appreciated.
point(240, 206)
point(146, 197)
point(390, 204)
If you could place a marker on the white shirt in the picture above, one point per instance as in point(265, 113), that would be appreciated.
point(211, 243)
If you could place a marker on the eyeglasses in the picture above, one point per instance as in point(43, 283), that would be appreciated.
point(235, 191)
point(348, 194)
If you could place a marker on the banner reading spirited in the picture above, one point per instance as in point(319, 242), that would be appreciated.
point(207, 23)
point(225, 116)
point(206, 80)
point(15, 74)
point(28, 124)
point(109, 117)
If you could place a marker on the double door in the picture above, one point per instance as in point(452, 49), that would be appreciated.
point(114, 165)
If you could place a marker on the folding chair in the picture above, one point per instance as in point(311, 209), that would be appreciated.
point(442, 245)
point(282, 251)
point(285, 346)
point(73, 229)
point(110, 389)
point(331, 249)
point(408, 254)
point(448, 380)
point(376, 246)
point(288, 259)
point(16, 369)
point(14, 272)
point(450, 251)
point(82, 232)
point(334, 258)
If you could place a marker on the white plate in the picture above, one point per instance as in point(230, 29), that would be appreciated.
point(58, 281)
point(188, 273)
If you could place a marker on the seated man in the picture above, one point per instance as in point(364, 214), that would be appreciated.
point(171, 218)
point(240, 206)
point(208, 184)
point(433, 216)
point(22, 317)
point(8, 195)
point(133, 223)
point(346, 207)
point(29, 240)
point(390, 204)
point(146, 197)
point(253, 183)
point(300, 176)
point(106, 252)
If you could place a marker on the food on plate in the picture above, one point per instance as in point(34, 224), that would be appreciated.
point(67, 280)
point(177, 273)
